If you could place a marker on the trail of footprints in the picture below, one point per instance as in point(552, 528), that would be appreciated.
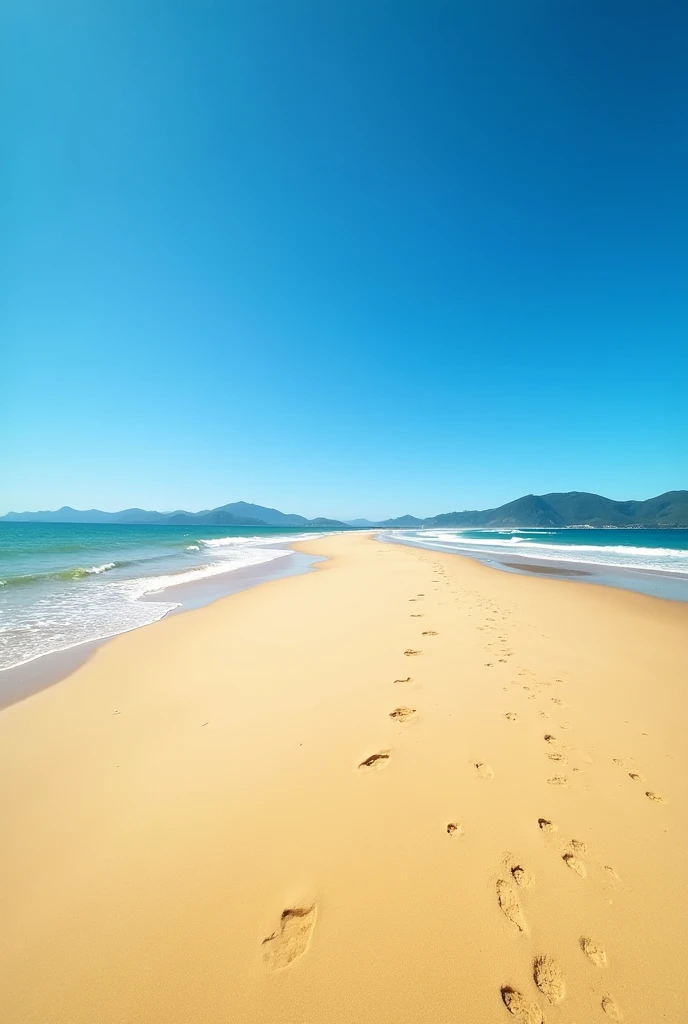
point(402, 714)
point(293, 936)
point(546, 972)
point(547, 975)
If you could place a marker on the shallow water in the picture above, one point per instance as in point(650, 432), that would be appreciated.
point(62, 585)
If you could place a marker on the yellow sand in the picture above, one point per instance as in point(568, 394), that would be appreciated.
point(188, 837)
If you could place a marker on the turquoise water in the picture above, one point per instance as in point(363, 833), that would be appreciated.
point(658, 550)
point(65, 584)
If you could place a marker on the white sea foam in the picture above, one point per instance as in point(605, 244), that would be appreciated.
point(66, 614)
point(628, 556)
point(258, 541)
point(56, 609)
point(154, 584)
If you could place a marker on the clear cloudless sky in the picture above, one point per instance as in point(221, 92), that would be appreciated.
point(344, 257)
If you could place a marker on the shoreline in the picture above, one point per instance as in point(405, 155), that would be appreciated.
point(21, 681)
point(375, 793)
point(658, 583)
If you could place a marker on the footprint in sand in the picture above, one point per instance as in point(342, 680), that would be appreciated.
point(654, 797)
point(512, 716)
point(557, 757)
point(510, 906)
point(594, 952)
point(617, 760)
point(545, 825)
point(375, 761)
point(549, 738)
point(576, 846)
point(548, 978)
point(558, 780)
point(403, 714)
point(522, 877)
point(522, 1008)
point(430, 632)
point(410, 653)
point(611, 1008)
point(454, 829)
point(484, 770)
point(291, 941)
point(636, 776)
point(575, 864)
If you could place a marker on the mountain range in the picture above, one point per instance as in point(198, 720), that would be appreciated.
point(570, 508)
point(238, 513)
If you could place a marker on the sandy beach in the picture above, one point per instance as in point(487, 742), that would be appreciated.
point(404, 788)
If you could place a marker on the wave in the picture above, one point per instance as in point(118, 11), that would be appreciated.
point(80, 599)
point(626, 556)
point(77, 572)
point(154, 584)
point(616, 549)
point(257, 541)
point(226, 542)
point(78, 615)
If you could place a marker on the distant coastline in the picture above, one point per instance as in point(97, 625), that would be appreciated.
point(576, 510)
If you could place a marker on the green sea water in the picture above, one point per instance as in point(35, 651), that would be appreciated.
point(65, 584)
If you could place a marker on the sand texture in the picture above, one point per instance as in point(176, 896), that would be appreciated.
point(401, 789)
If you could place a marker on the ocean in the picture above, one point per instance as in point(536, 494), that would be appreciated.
point(651, 561)
point(62, 585)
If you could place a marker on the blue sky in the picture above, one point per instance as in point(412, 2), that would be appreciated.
point(344, 258)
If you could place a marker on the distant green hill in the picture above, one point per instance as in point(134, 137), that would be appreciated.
point(570, 508)
point(239, 513)
point(574, 508)
point(407, 521)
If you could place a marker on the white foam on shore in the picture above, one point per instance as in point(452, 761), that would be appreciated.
point(622, 556)
point(100, 608)
point(243, 559)
point(76, 606)
point(230, 542)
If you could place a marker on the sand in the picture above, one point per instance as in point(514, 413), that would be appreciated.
point(402, 788)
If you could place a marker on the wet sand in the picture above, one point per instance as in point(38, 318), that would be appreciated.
point(546, 570)
point(404, 787)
